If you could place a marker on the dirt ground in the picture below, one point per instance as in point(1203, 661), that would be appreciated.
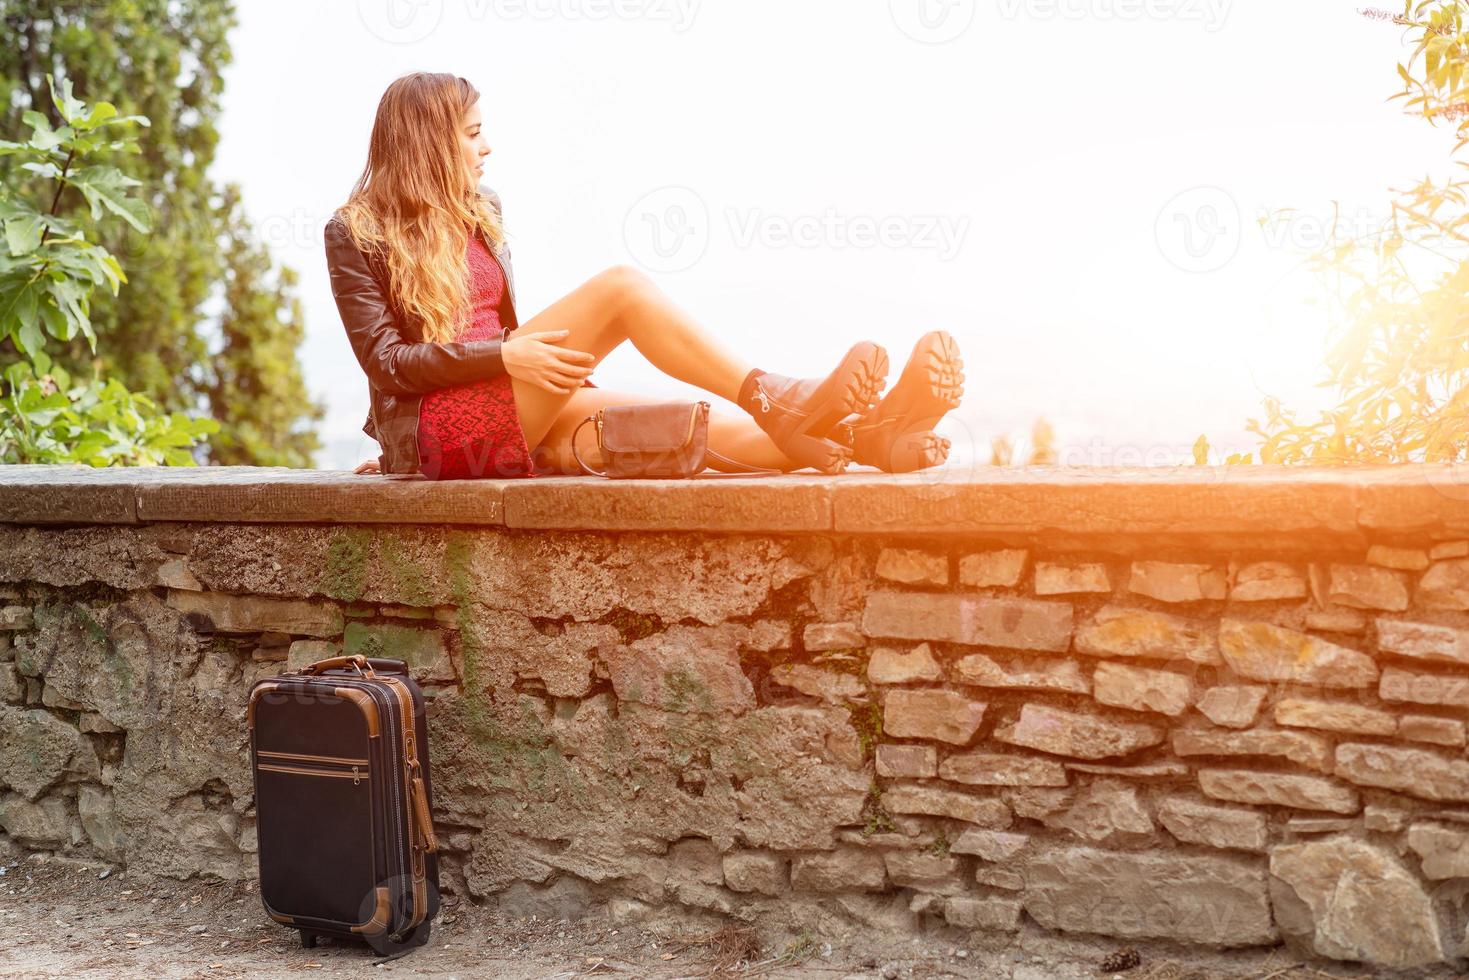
point(64, 919)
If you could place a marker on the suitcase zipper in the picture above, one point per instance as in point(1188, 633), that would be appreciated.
point(395, 743)
point(409, 760)
point(304, 757)
point(395, 803)
point(356, 775)
point(396, 749)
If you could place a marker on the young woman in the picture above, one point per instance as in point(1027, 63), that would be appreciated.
point(460, 388)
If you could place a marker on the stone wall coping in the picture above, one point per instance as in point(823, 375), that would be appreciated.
point(1353, 504)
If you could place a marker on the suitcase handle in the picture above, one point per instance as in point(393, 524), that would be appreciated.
point(381, 665)
point(388, 665)
point(356, 661)
point(422, 817)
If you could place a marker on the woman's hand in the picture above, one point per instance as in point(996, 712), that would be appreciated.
point(367, 466)
point(536, 358)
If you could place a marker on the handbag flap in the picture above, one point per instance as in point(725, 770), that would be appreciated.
point(655, 428)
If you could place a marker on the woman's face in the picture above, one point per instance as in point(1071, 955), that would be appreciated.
point(472, 144)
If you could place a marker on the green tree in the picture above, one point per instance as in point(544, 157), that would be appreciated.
point(261, 330)
point(48, 272)
point(164, 59)
point(1398, 351)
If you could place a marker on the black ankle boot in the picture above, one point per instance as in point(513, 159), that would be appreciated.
point(897, 435)
point(799, 413)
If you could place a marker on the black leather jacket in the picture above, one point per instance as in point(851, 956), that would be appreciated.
point(401, 367)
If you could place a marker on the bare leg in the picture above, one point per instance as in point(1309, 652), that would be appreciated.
point(620, 304)
point(738, 438)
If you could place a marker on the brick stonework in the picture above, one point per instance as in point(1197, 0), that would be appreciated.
point(1216, 705)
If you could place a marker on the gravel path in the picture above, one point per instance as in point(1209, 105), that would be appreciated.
point(63, 919)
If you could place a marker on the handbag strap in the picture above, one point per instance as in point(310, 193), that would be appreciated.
point(581, 462)
point(739, 467)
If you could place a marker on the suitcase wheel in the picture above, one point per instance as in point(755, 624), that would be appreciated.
point(308, 939)
point(397, 944)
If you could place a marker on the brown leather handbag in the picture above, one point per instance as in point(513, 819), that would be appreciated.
point(660, 440)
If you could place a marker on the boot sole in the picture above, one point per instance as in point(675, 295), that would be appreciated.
point(897, 436)
point(856, 383)
point(903, 452)
point(851, 387)
point(826, 455)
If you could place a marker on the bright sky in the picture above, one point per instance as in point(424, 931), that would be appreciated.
point(1069, 187)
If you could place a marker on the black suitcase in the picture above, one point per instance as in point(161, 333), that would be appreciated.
point(344, 803)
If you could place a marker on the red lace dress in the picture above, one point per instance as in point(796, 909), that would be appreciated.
point(473, 430)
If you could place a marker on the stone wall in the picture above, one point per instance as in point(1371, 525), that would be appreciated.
point(1192, 705)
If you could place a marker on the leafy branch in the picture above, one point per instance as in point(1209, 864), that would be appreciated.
point(48, 272)
point(1398, 349)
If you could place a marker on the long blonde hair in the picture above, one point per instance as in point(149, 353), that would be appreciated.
point(417, 200)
